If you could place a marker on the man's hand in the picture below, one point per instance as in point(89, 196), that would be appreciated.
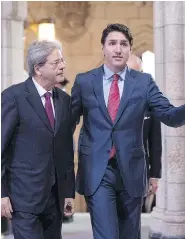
point(6, 208)
point(69, 207)
point(153, 185)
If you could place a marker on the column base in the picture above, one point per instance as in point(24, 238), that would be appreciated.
point(160, 236)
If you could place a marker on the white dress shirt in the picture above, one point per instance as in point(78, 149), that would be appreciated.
point(107, 81)
point(41, 92)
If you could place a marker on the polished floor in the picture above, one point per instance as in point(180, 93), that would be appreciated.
point(80, 228)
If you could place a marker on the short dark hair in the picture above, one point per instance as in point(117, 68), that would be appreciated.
point(118, 28)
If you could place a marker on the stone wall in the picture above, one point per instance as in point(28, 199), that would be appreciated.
point(168, 217)
point(13, 15)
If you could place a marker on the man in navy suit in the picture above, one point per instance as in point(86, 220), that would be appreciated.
point(112, 168)
point(37, 148)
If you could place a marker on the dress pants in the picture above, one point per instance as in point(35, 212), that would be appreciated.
point(114, 214)
point(46, 225)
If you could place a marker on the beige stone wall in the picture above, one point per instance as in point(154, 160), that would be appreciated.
point(13, 15)
point(79, 27)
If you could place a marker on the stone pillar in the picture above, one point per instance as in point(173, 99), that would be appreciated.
point(168, 217)
point(12, 45)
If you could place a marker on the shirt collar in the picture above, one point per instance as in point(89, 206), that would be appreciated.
point(108, 73)
point(39, 88)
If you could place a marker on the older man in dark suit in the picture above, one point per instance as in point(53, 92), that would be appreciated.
point(37, 148)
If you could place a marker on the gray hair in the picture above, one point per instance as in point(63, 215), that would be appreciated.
point(38, 52)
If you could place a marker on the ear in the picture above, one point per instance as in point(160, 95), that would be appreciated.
point(103, 50)
point(37, 70)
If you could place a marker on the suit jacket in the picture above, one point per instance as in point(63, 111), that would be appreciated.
point(140, 93)
point(153, 145)
point(33, 155)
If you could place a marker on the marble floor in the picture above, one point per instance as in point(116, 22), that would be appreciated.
point(80, 228)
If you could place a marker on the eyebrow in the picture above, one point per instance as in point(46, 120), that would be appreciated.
point(117, 40)
point(59, 59)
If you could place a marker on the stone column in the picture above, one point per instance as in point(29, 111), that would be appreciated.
point(12, 45)
point(168, 217)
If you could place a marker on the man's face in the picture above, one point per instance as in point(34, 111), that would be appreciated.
point(116, 51)
point(53, 69)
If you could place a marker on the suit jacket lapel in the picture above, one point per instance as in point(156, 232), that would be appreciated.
point(35, 101)
point(58, 104)
point(97, 83)
point(129, 84)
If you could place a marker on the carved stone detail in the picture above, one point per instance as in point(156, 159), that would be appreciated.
point(72, 18)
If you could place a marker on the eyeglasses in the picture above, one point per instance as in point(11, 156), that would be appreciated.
point(55, 64)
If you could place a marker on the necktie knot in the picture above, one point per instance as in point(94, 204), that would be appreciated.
point(115, 77)
point(47, 95)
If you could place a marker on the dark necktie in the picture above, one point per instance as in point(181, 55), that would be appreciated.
point(49, 109)
point(113, 104)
